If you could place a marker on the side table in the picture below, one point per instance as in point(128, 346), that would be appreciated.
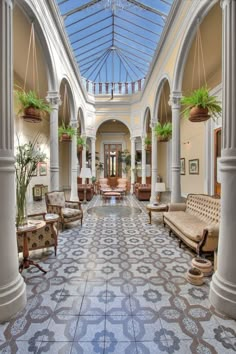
point(155, 208)
point(33, 225)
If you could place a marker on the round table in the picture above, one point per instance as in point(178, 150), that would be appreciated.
point(156, 208)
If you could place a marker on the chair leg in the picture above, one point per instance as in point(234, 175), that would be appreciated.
point(55, 251)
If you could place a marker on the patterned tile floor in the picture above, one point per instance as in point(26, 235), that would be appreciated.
point(118, 286)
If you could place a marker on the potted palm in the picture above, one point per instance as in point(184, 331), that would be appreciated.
point(163, 131)
point(200, 106)
point(32, 107)
point(66, 132)
point(81, 143)
point(27, 159)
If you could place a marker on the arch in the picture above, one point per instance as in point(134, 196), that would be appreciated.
point(199, 13)
point(147, 114)
point(160, 86)
point(110, 118)
point(65, 80)
point(80, 118)
point(31, 13)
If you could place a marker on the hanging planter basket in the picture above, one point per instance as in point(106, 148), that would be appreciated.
point(79, 148)
point(162, 139)
point(32, 115)
point(65, 138)
point(198, 114)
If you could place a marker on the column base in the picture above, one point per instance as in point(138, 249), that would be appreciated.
point(12, 298)
point(223, 296)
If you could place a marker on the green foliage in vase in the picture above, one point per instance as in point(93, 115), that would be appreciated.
point(202, 99)
point(163, 131)
point(26, 161)
point(31, 99)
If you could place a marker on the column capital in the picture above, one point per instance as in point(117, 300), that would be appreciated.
point(153, 124)
point(174, 101)
point(224, 3)
point(53, 97)
point(74, 123)
point(93, 138)
point(133, 138)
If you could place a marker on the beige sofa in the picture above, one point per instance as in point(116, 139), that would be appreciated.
point(195, 222)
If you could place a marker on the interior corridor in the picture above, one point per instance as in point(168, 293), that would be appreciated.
point(118, 286)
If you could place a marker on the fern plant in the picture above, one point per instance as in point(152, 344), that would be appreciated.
point(31, 99)
point(201, 98)
point(68, 130)
point(163, 131)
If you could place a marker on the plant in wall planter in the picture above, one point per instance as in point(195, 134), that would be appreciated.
point(200, 106)
point(163, 131)
point(32, 107)
point(81, 143)
point(148, 143)
point(66, 133)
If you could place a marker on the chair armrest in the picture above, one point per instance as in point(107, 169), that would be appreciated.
point(73, 204)
point(177, 207)
point(212, 230)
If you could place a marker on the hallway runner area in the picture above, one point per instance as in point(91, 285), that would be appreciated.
point(117, 285)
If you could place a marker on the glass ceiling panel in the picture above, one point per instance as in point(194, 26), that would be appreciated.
point(114, 40)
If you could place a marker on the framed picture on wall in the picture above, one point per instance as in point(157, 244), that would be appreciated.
point(43, 169)
point(182, 166)
point(194, 167)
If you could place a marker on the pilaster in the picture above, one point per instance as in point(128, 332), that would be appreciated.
point(93, 148)
point(143, 161)
point(132, 163)
point(73, 174)
point(53, 98)
point(154, 163)
point(12, 286)
point(223, 285)
point(83, 159)
point(176, 185)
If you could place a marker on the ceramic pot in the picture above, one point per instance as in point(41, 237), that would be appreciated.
point(32, 115)
point(198, 114)
point(194, 276)
point(203, 264)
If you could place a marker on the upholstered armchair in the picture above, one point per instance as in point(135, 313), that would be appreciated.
point(43, 237)
point(103, 184)
point(68, 211)
point(122, 184)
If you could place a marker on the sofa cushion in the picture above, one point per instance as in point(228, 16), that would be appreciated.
point(69, 213)
point(191, 226)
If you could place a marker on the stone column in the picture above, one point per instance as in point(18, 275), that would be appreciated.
point(143, 161)
point(223, 285)
point(12, 286)
point(176, 186)
point(93, 156)
point(54, 99)
point(83, 159)
point(132, 153)
point(154, 163)
point(73, 182)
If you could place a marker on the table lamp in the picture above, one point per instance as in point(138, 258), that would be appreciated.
point(85, 173)
point(159, 187)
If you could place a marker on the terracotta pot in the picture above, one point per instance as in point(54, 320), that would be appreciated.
point(79, 148)
point(65, 137)
point(194, 276)
point(32, 115)
point(203, 264)
point(198, 114)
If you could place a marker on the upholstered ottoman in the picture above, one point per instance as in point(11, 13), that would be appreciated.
point(109, 195)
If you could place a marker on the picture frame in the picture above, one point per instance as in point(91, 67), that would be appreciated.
point(182, 166)
point(43, 169)
point(194, 167)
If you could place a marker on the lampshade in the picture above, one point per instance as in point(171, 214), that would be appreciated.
point(160, 187)
point(85, 172)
